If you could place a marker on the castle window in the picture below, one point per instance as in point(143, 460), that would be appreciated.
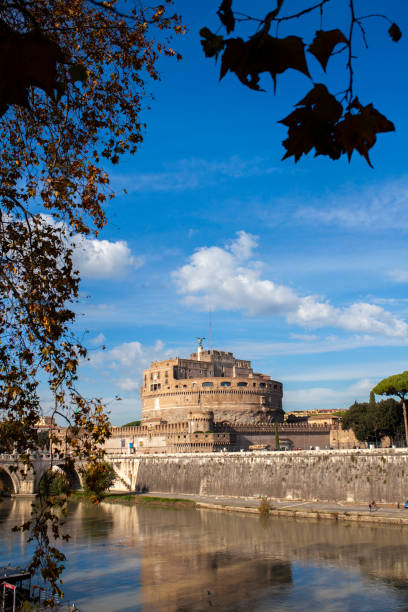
point(242, 384)
point(208, 384)
point(275, 386)
point(262, 385)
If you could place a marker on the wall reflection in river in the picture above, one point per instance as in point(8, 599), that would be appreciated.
point(128, 557)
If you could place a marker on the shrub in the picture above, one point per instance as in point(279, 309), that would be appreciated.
point(264, 507)
point(54, 484)
point(98, 479)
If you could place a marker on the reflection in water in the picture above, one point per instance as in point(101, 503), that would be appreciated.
point(129, 558)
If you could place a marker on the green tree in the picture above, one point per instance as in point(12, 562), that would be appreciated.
point(388, 418)
point(372, 422)
point(395, 385)
point(331, 125)
point(73, 83)
point(357, 419)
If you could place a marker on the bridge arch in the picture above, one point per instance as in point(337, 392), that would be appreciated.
point(73, 475)
point(8, 481)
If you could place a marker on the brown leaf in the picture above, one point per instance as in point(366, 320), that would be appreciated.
point(226, 15)
point(312, 125)
point(263, 53)
point(234, 56)
point(211, 43)
point(324, 43)
point(394, 32)
point(359, 131)
point(323, 103)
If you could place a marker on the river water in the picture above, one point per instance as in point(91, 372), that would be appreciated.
point(138, 558)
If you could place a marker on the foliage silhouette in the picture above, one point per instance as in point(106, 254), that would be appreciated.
point(331, 125)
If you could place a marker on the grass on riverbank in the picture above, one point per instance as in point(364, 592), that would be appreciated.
point(135, 498)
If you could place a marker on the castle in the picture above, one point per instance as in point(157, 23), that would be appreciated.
point(211, 402)
point(209, 381)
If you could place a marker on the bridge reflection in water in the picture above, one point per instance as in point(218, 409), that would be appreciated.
point(124, 558)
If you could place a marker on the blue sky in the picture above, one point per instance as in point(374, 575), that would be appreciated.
point(304, 266)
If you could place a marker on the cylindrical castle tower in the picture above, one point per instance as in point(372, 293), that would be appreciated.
point(210, 381)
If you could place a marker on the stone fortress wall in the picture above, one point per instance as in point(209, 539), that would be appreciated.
point(337, 475)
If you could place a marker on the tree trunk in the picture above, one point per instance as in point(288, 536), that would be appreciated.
point(404, 409)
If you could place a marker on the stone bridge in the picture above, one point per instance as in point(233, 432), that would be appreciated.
point(17, 479)
point(359, 475)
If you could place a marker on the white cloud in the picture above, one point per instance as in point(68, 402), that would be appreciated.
point(326, 397)
point(227, 278)
point(99, 339)
point(128, 384)
point(130, 354)
point(124, 363)
point(98, 258)
point(189, 174)
point(305, 337)
point(102, 258)
point(373, 208)
point(327, 344)
point(364, 370)
point(398, 275)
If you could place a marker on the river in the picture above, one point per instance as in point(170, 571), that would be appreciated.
point(124, 558)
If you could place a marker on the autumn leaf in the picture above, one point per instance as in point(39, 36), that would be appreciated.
point(212, 44)
point(323, 45)
point(359, 131)
point(226, 15)
point(262, 53)
point(394, 32)
point(312, 124)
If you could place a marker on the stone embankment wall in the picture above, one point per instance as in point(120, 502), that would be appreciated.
point(337, 475)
